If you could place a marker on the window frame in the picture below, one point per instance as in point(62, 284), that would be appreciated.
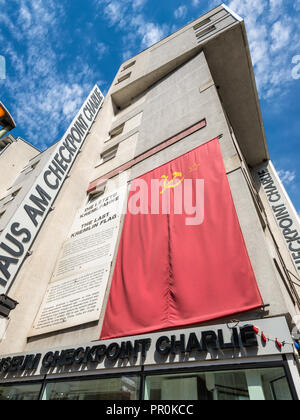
point(224, 367)
point(95, 377)
point(25, 383)
point(109, 154)
point(160, 371)
point(127, 66)
point(117, 131)
point(123, 78)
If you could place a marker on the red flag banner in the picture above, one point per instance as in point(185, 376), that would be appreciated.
point(182, 258)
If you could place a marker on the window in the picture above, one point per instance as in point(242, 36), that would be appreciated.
point(128, 65)
point(116, 131)
point(123, 78)
point(131, 124)
point(21, 392)
point(124, 388)
point(109, 154)
point(205, 31)
point(14, 194)
point(32, 167)
point(9, 198)
point(203, 23)
point(95, 195)
point(252, 384)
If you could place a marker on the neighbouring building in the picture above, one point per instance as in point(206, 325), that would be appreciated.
point(153, 252)
point(14, 156)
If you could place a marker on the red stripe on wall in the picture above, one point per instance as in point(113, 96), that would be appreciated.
point(191, 130)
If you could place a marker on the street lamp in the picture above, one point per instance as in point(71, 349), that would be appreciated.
point(6, 121)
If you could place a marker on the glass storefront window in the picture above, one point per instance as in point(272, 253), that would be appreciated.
point(23, 392)
point(239, 384)
point(122, 388)
point(252, 384)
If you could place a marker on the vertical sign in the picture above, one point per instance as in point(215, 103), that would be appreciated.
point(17, 238)
point(283, 210)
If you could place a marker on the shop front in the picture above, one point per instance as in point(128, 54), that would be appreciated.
point(220, 362)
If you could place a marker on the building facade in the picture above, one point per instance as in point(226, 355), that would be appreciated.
point(15, 155)
point(94, 279)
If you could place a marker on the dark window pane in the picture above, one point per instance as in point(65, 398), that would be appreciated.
point(20, 392)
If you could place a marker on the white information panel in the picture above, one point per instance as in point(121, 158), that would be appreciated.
point(77, 289)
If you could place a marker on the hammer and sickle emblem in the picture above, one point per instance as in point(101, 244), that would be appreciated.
point(170, 184)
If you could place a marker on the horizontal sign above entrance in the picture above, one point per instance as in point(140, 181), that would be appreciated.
point(216, 342)
point(17, 238)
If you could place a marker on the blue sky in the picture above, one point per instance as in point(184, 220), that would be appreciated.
point(56, 51)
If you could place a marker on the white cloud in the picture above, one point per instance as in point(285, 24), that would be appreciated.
point(138, 4)
point(148, 32)
point(181, 12)
point(114, 12)
point(101, 49)
point(45, 98)
point(126, 55)
point(276, 8)
point(138, 32)
point(280, 34)
point(25, 17)
point(273, 37)
point(151, 34)
point(287, 177)
point(297, 5)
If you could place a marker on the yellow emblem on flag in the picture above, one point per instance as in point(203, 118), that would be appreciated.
point(170, 183)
